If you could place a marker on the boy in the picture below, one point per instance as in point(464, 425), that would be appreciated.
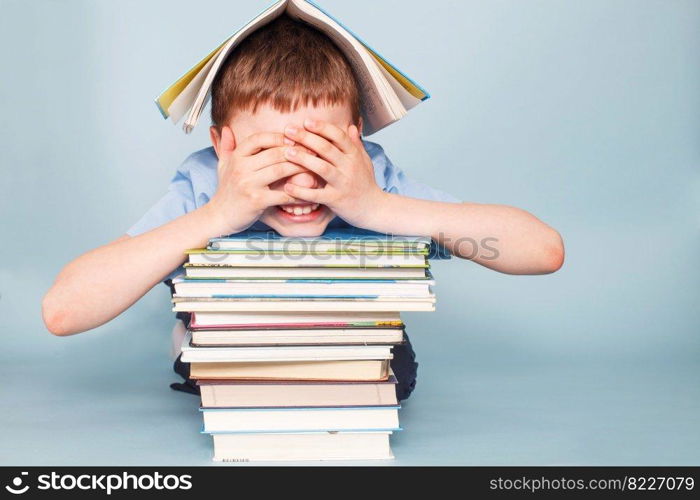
point(287, 155)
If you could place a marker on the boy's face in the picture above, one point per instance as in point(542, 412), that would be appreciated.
point(301, 218)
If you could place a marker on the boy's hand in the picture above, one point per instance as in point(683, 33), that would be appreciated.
point(351, 190)
point(245, 173)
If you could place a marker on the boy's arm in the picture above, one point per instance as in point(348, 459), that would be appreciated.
point(102, 283)
point(99, 285)
point(503, 238)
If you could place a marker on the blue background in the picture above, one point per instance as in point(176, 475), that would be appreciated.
point(585, 113)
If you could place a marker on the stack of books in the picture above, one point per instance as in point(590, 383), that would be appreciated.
point(290, 340)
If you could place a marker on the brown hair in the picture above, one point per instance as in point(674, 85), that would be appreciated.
point(285, 64)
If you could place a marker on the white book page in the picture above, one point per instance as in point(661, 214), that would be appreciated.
point(184, 101)
point(407, 99)
point(200, 101)
point(380, 104)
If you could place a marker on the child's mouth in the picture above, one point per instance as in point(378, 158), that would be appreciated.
point(300, 212)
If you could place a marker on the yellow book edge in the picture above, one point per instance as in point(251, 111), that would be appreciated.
point(166, 98)
point(400, 77)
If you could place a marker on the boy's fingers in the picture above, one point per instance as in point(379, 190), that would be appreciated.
point(262, 140)
point(334, 134)
point(319, 166)
point(306, 194)
point(267, 157)
point(315, 143)
point(354, 134)
point(228, 144)
point(274, 197)
point(272, 173)
point(305, 150)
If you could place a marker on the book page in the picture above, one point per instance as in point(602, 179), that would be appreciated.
point(169, 95)
point(200, 101)
point(380, 104)
point(407, 99)
point(184, 101)
point(411, 86)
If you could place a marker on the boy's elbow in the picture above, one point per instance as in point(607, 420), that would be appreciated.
point(55, 316)
point(553, 253)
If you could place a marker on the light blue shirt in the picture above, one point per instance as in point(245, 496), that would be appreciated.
point(195, 183)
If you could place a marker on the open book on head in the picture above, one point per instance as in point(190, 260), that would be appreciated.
point(386, 94)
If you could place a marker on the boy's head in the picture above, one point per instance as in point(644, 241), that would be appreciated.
point(281, 74)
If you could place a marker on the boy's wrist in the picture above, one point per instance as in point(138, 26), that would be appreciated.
point(396, 214)
point(378, 213)
point(214, 222)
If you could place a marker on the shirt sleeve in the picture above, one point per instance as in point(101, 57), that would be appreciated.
point(177, 201)
point(401, 184)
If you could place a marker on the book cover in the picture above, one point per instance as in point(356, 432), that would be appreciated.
point(387, 93)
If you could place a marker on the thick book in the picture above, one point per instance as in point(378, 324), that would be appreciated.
point(307, 258)
point(293, 319)
point(226, 271)
point(283, 393)
point(303, 304)
point(252, 447)
point(298, 287)
point(332, 419)
point(386, 93)
point(192, 354)
point(297, 336)
point(372, 370)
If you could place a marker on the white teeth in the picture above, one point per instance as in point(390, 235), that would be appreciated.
point(297, 210)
